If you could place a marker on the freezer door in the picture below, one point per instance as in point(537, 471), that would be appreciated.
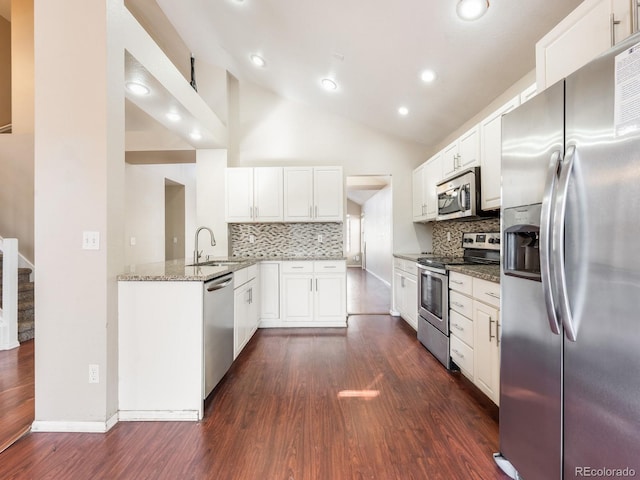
point(602, 365)
point(531, 134)
point(531, 355)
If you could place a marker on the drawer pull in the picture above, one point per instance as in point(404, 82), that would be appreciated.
point(491, 294)
point(491, 322)
point(297, 267)
point(459, 305)
point(329, 266)
point(458, 353)
point(456, 282)
point(457, 327)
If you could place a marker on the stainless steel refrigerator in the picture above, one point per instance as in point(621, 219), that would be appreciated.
point(570, 358)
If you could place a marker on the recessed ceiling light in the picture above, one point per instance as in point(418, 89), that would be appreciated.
point(195, 135)
point(328, 84)
point(173, 116)
point(472, 9)
point(137, 88)
point(428, 76)
point(404, 111)
point(257, 60)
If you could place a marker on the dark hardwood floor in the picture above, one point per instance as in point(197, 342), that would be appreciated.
point(365, 402)
point(366, 294)
point(16, 393)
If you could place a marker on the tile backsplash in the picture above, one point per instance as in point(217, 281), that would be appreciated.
point(453, 247)
point(286, 239)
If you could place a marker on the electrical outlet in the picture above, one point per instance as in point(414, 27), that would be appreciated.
point(252, 238)
point(94, 373)
point(91, 240)
point(320, 238)
point(132, 241)
point(175, 239)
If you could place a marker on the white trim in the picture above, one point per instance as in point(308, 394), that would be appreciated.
point(158, 415)
point(74, 427)
point(281, 324)
point(9, 281)
point(24, 263)
point(394, 313)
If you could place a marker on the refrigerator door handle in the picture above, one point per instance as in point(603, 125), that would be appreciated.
point(557, 243)
point(546, 217)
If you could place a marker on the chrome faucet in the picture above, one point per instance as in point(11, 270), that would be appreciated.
point(198, 253)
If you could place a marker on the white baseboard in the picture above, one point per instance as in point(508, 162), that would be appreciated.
point(281, 324)
point(158, 415)
point(74, 427)
point(394, 313)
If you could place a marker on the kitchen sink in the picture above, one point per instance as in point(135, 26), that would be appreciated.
point(216, 263)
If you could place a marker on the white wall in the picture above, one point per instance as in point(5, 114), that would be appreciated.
point(276, 131)
point(144, 214)
point(210, 167)
point(378, 218)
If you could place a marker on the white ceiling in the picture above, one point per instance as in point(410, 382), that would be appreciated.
point(376, 51)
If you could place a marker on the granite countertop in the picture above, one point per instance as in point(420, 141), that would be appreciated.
point(410, 256)
point(485, 272)
point(182, 270)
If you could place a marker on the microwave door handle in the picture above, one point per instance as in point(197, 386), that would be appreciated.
point(461, 198)
point(546, 266)
point(557, 244)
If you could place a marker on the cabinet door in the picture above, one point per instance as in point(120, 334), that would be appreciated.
point(330, 298)
point(419, 206)
point(253, 310)
point(239, 195)
point(267, 193)
point(328, 194)
point(398, 297)
point(269, 290)
point(450, 159)
point(240, 313)
point(469, 149)
point(298, 194)
point(432, 175)
point(583, 35)
point(486, 350)
point(491, 156)
point(297, 298)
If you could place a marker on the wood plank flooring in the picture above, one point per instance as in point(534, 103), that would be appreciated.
point(366, 294)
point(365, 402)
point(16, 392)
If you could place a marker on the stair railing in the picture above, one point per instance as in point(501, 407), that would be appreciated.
point(9, 311)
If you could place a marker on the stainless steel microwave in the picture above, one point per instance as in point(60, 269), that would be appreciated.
point(459, 196)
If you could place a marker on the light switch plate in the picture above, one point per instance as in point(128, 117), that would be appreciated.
point(90, 240)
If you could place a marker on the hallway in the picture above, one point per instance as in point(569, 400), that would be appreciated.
point(366, 294)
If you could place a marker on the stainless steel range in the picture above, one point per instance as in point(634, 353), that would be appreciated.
point(433, 290)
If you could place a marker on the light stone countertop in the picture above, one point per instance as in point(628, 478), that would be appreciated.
point(490, 273)
point(182, 270)
point(410, 256)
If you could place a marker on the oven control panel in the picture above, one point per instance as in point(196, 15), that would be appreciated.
point(487, 241)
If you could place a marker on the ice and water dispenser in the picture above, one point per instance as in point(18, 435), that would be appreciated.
point(521, 241)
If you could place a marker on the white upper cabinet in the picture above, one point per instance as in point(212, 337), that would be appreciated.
point(592, 28)
point(419, 200)
point(461, 154)
point(313, 194)
point(254, 194)
point(425, 179)
point(491, 155)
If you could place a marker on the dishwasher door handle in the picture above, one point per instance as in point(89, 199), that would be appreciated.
point(218, 286)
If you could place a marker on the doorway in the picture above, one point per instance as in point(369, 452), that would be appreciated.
point(368, 234)
point(174, 222)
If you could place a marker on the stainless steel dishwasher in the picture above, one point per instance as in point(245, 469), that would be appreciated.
point(218, 330)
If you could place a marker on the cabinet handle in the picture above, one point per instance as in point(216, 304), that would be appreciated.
point(456, 282)
point(614, 22)
point(402, 282)
point(457, 304)
point(316, 284)
point(457, 327)
point(497, 334)
point(491, 294)
point(311, 284)
point(491, 321)
point(250, 212)
point(251, 295)
point(329, 266)
point(256, 211)
point(296, 267)
point(458, 353)
point(316, 211)
point(634, 16)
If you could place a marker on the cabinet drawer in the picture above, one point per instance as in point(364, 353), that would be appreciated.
point(398, 262)
point(240, 277)
point(330, 266)
point(297, 267)
point(487, 292)
point(461, 327)
point(460, 283)
point(461, 304)
point(252, 271)
point(462, 355)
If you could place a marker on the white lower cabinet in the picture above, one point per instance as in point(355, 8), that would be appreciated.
point(246, 301)
point(405, 290)
point(269, 292)
point(474, 319)
point(314, 293)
